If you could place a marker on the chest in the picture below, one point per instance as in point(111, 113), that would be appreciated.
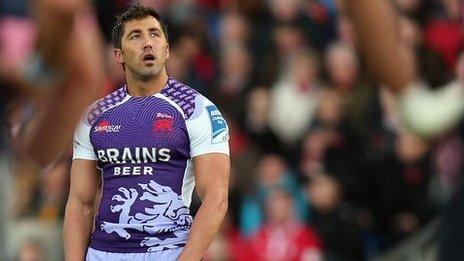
point(141, 130)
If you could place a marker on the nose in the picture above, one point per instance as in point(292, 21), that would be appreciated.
point(148, 43)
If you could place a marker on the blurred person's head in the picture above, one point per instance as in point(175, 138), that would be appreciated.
point(188, 45)
point(235, 68)
point(329, 111)
point(279, 206)
point(288, 38)
point(258, 108)
point(315, 143)
point(342, 65)
point(325, 193)
point(285, 10)
point(303, 67)
point(271, 168)
point(141, 42)
point(233, 29)
point(410, 148)
point(32, 250)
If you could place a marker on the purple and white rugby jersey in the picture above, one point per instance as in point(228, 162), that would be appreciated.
point(144, 147)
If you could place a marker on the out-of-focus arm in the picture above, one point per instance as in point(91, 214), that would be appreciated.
point(388, 60)
point(71, 46)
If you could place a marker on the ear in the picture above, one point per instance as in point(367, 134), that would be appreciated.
point(118, 55)
point(167, 51)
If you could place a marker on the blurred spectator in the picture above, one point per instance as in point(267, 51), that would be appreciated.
point(256, 120)
point(334, 220)
point(229, 244)
point(356, 99)
point(233, 30)
point(282, 237)
point(190, 61)
point(295, 97)
point(285, 10)
point(271, 172)
point(398, 186)
point(287, 41)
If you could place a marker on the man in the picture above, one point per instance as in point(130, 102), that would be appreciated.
point(152, 140)
point(427, 114)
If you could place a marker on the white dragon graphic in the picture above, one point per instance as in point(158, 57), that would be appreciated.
point(167, 215)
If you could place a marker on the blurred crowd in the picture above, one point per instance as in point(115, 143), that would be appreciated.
point(322, 167)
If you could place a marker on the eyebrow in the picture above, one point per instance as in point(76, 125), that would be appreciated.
point(153, 29)
point(134, 32)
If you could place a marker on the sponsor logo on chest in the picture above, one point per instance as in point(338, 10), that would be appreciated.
point(106, 126)
point(132, 157)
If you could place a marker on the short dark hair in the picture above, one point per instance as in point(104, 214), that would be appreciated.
point(135, 12)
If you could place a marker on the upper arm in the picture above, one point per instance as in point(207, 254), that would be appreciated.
point(85, 181)
point(212, 173)
point(209, 146)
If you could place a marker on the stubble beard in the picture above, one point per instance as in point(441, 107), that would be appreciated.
point(147, 74)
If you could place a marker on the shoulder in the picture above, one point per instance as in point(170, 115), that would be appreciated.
point(183, 96)
point(109, 101)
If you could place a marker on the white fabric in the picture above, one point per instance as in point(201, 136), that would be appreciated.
point(82, 147)
point(201, 128)
point(292, 110)
point(165, 255)
point(429, 113)
point(188, 184)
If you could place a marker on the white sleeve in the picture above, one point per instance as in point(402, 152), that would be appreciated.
point(82, 147)
point(207, 129)
point(430, 113)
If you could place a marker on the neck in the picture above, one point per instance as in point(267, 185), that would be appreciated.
point(138, 87)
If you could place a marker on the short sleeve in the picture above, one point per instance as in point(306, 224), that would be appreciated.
point(208, 130)
point(82, 147)
point(430, 113)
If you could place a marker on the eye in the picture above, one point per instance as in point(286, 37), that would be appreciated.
point(155, 34)
point(135, 36)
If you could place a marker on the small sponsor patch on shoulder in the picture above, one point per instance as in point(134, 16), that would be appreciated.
point(218, 125)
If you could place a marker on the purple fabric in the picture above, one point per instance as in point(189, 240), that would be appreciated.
point(106, 103)
point(182, 95)
point(142, 147)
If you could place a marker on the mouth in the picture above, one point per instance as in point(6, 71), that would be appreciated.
point(148, 58)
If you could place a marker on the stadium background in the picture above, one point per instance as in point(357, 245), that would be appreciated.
point(313, 140)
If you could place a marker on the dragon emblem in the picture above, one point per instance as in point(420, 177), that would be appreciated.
point(167, 214)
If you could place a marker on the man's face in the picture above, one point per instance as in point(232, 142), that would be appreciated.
point(144, 48)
